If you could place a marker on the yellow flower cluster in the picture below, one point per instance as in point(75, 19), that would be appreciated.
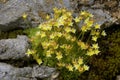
point(55, 42)
point(82, 45)
point(93, 50)
point(77, 65)
point(24, 16)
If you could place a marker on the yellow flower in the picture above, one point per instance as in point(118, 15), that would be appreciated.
point(59, 34)
point(64, 16)
point(90, 52)
point(86, 67)
point(95, 46)
point(40, 25)
point(24, 15)
point(76, 65)
point(67, 29)
point(55, 9)
point(89, 24)
point(103, 33)
point(96, 51)
point(61, 64)
point(39, 61)
point(43, 34)
point(94, 38)
point(97, 33)
point(63, 10)
point(45, 45)
point(59, 55)
point(69, 67)
point(86, 14)
point(47, 17)
point(48, 53)
point(97, 26)
point(80, 61)
point(69, 14)
point(73, 39)
point(80, 69)
point(62, 46)
point(68, 47)
point(53, 44)
point(74, 61)
point(77, 19)
point(67, 36)
point(73, 30)
point(51, 22)
point(82, 45)
point(70, 23)
point(90, 15)
point(46, 27)
point(56, 24)
point(29, 52)
point(93, 32)
point(37, 33)
point(84, 28)
point(86, 20)
point(83, 13)
point(56, 46)
point(52, 36)
point(61, 21)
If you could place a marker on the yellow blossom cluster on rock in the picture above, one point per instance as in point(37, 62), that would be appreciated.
point(54, 42)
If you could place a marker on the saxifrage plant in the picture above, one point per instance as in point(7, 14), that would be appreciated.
point(54, 42)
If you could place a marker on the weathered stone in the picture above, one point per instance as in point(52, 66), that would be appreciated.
point(12, 10)
point(41, 71)
point(118, 77)
point(13, 6)
point(8, 72)
point(100, 16)
point(13, 48)
point(1, 5)
point(86, 2)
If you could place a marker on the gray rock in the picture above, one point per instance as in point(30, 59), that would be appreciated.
point(86, 2)
point(119, 4)
point(1, 5)
point(12, 10)
point(13, 48)
point(118, 77)
point(8, 72)
point(14, 7)
point(101, 17)
point(41, 71)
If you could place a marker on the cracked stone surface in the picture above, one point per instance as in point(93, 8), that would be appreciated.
point(13, 48)
point(12, 10)
point(8, 72)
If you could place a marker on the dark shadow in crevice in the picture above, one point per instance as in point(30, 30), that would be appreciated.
point(20, 63)
point(11, 33)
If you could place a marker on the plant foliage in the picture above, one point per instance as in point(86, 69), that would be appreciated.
point(54, 42)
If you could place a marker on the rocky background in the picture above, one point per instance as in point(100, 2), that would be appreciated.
point(14, 64)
